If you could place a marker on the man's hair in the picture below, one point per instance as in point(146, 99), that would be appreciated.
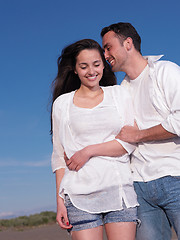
point(124, 30)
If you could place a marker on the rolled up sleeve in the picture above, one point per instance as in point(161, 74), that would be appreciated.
point(171, 87)
point(125, 108)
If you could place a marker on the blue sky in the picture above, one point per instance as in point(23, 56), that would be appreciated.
point(33, 34)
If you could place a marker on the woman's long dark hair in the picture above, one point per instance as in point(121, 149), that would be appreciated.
point(66, 79)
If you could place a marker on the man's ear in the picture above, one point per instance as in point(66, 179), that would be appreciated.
point(128, 43)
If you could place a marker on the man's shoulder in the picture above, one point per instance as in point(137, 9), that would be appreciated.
point(166, 68)
point(165, 64)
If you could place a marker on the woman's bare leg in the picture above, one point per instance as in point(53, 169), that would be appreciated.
point(88, 234)
point(121, 231)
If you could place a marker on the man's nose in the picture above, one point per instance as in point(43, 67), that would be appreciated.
point(106, 54)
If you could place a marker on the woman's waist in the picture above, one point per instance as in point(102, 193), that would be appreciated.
point(98, 173)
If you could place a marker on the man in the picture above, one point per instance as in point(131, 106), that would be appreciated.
point(155, 89)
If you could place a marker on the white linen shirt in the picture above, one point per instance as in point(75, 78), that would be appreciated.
point(103, 183)
point(156, 99)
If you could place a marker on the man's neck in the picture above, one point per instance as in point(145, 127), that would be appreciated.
point(136, 66)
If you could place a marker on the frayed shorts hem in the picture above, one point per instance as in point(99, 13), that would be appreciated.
point(81, 220)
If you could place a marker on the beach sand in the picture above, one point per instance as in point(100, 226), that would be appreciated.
point(48, 232)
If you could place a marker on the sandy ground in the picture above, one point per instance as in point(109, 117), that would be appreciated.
point(50, 232)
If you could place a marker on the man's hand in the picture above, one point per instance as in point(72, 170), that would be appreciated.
point(134, 135)
point(129, 134)
point(77, 160)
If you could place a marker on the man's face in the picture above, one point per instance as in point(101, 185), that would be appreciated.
point(114, 51)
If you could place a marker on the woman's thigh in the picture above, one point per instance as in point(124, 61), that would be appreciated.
point(121, 224)
point(121, 230)
point(88, 234)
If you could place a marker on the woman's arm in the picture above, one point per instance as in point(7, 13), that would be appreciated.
point(58, 167)
point(112, 149)
point(61, 216)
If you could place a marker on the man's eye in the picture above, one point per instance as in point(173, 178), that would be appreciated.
point(97, 65)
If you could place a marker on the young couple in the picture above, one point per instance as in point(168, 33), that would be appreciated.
point(98, 124)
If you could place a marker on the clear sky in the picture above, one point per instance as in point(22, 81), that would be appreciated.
point(32, 35)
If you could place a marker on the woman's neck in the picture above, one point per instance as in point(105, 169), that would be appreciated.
point(87, 98)
point(84, 91)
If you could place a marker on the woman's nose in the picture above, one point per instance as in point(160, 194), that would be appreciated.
point(91, 70)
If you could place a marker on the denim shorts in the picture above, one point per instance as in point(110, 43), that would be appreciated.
point(81, 220)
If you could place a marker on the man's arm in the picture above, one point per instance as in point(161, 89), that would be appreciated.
point(168, 75)
point(134, 135)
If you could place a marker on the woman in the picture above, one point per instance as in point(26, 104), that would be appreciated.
point(87, 114)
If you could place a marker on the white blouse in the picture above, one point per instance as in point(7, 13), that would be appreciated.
point(103, 183)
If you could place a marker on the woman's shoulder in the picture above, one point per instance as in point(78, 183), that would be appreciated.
point(63, 98)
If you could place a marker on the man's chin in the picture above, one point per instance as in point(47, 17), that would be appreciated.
point(114, 69)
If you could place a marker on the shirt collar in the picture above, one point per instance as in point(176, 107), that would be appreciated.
point(152, 59)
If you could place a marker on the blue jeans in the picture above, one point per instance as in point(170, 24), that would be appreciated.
point(159, 208)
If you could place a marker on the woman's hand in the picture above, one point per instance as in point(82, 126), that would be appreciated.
point(111, 149)
point(61, 217)
point(78, 159)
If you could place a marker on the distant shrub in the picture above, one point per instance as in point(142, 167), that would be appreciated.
point(29, 221)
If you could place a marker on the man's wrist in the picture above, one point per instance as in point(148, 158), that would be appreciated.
point(140, 135)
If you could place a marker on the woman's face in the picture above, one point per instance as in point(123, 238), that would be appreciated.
point(89, 67)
